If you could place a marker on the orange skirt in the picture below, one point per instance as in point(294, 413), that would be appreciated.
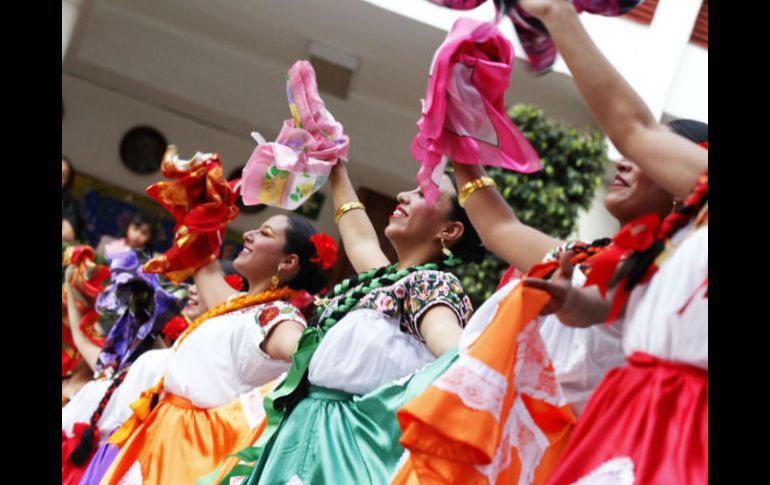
point(497, 415)
point(180, 443)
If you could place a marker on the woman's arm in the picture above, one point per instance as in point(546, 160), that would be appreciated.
point(358, 235)
point(499, 228)
point(212, 287)
point(668, 159)
point(89, 350)
point(282, 340)
point(573, 306)
point(441, 329)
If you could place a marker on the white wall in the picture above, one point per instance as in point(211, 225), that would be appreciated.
point(96, 120)
point(69, 16)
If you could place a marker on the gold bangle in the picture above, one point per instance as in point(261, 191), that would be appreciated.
point(341, 210)
point(472, 187)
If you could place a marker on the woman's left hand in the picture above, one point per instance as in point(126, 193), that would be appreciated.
point(575, 307)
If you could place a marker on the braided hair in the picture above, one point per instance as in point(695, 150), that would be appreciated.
point(634, 269)
point(83, 450)
point(345, 296)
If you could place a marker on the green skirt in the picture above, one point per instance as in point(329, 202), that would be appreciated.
point(333, 437)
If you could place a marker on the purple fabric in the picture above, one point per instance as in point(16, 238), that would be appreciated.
point(135, 320)
point(103, 457)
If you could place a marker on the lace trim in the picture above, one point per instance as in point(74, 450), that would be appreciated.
point(534, 373)
point(478, 386)
point(520, 433)
point(251, 402)
point(617, 471)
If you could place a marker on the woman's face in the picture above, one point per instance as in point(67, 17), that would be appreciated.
point(632, 194)
point(137, 236)
point(416, 222)
point(194, 307)
point(263, 249)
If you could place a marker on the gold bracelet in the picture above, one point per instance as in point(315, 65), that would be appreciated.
point(472, 187)
point(341, 210)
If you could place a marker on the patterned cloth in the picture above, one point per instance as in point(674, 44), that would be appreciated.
point(534, 37)
point(285, 173)
point(463, 116)
point(409, 298)
point(202, 204)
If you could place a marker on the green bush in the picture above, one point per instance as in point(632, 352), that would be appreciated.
point(548, 200)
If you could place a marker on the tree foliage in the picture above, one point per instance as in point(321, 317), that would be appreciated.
point(548, 200)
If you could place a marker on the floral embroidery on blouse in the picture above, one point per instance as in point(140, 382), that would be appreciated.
point(275, 312)
point(409, 298)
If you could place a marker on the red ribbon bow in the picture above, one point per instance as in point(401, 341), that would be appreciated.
point(637, 235)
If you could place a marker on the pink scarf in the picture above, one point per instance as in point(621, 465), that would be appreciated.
point(463, 115)
point(285, 173)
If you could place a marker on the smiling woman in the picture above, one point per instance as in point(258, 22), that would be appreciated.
point(370, 335)
point(204, 393)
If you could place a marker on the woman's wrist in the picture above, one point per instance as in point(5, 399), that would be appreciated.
point(556, 12)
point(584, 308)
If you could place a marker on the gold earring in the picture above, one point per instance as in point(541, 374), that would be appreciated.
point(274, 280)
point(447, 252)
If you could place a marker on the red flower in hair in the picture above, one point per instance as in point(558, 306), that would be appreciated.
point(326, 250)
point(175, 327)
point(235, 281)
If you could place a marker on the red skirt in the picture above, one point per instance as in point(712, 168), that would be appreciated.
point(646, 423)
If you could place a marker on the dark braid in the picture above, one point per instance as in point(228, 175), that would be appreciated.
point(348, 284)
point(634, 269)
point(81, 453)
point(362, 284)
point(351, 291)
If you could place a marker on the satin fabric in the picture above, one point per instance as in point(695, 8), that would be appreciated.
point(70, 472)
point(497, 415)
point(463, 115)
point(285, 173)
point(335, 437)
point(179, 443)
point(202, 203)
point(659, 419)
point(100, 463)
point(87, 282)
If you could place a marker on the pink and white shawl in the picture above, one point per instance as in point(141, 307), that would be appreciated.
point(286, 172)
point(463, 115)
